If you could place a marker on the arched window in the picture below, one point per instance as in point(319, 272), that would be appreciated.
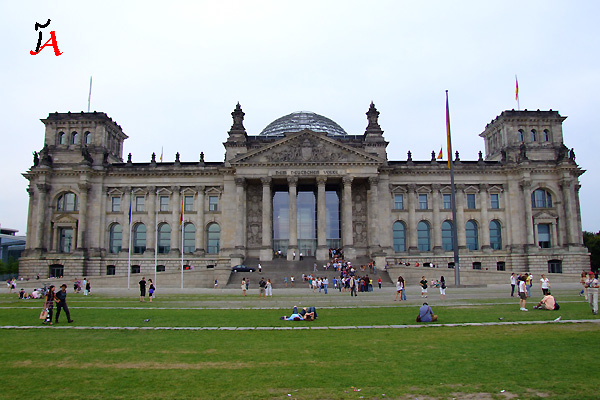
point(87, 137)
point(67, 202)
point(541, 198)
point(139, 238)
point(115, 238)
point(62, 138)
point(533, 135)
point(546, 135)
point(472, 235)
point(447, 242)
point(399, 236)
point(424, 236)
point(521, 135)
point(495, 235)
point(74, 137)
point(164, 238)
point(213, 238)
point(189, 238)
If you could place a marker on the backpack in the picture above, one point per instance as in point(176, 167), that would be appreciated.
point(556, 306)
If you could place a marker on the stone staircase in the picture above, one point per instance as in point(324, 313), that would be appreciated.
point(279, 269)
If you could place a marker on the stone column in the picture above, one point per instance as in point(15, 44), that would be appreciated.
point(347, 228)
point(30, 242)
point(266, 252)
point(82, 223)
point(437, 223)
point(485, 222)
point(461, 230)
point(322, 250)
point(175, 218)
point(151, 230)
point(127, 229)
point(528, 223)
point(373, 214)
point(412, 219)
point(568, 197)
point(293, 242)
point(240, 187)
point(200, 220)
point(43, 190)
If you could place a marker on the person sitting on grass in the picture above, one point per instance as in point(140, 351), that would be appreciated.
point(547, 303)
point(309, 313)
point(426, 314)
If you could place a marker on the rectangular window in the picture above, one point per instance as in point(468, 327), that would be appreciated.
point(555, 266)
point(495, 201)
point(544, 236)
point(135, 269)
point(398, 202)
point(447, 201)
point(213, 203)
point(111, 270)
point(188, 203)
point(471, 201)
point(423, 205)
point(164, 203)
point(115, 204)
point(500, 266)
point(476, 265)
point(140, 202)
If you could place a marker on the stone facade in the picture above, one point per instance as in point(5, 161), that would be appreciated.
point(517, 209)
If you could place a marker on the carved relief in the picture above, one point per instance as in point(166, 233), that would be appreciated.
point(359, 214)
point(306, 149)
point(254, 215)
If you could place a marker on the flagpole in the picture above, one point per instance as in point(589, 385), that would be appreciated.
point(90, 95)
point(182, 217)
point(155, 234)
point(453, 198)
point(129, 251)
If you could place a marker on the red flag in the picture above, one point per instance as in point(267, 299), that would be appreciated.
point(441, 155)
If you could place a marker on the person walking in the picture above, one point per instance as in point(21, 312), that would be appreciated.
point(591, 283)
point(49, 305)
point(379, 282)
point(584, 289)
point(513, 283)
point(262, 284)
point(244, 287)
point(545, 285)
point(529, 283)
point(423, 284)
point(442, 288)
point(85, 292)
point(353, 284)
point(399, 287)
point(523, 293)
point(151, 289)
point(269, 288)
point(61, 301)
point(88, 288)
point(403, 295)
point(142, 284)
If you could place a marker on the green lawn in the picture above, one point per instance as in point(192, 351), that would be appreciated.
point(526, 361)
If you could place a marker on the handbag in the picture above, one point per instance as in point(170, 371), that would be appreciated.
point(44, 314)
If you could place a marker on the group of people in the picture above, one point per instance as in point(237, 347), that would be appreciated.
point(146, 285)
point(60, 298)
point(305, 314)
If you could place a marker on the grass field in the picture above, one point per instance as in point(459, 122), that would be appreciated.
point(553, 360)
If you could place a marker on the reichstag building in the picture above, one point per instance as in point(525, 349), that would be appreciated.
point(303, 185)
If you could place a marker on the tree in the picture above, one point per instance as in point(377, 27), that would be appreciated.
point(592, 242)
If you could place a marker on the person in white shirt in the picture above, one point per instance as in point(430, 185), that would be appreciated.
point(545, 285)
point(523, 293)
point(591, 283)
point(513, 283)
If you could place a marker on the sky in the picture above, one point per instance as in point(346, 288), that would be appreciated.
point(170, 73)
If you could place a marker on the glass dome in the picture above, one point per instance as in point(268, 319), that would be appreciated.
point(300, 120)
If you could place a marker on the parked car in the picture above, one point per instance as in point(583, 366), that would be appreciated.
point(242, 268)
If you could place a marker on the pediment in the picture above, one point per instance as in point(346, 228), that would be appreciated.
point(306, 147)
point(471, 189)
point(64, 219)
point(545, 216)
